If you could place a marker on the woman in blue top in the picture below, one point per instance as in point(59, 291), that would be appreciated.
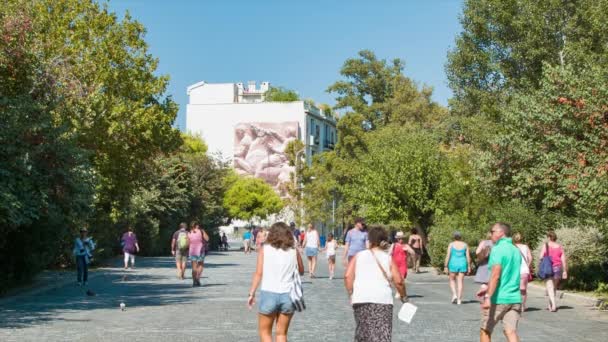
point(247, 241)
point(457, 263)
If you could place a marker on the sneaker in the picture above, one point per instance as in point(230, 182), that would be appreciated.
point(458, 302)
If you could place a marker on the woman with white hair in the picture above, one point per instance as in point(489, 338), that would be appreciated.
point(457, 264)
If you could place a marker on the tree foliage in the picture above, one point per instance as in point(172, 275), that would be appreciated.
point(280, 94)
point(251, 198)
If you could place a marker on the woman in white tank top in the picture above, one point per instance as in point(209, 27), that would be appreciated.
point(367, 282)
point(277, 262)
point(312, 245)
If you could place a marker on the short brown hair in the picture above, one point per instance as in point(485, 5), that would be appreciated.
point(552, 236)
point(378, 237)
point(280, 236)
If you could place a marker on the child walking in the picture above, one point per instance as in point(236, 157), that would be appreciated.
point(330, 251)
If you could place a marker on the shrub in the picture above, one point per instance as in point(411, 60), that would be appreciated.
point(586, 256)
point(474, 225)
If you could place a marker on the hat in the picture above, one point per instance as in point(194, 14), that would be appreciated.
point(399, 235)
point(457, 235)
point(84, 229)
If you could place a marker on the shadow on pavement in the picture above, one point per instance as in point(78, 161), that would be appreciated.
point(110, 288)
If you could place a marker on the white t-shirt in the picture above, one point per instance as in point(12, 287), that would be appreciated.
point(370, 284)
point(312, 239)
point(524, 269)
point(278, 270)
point(331, 248)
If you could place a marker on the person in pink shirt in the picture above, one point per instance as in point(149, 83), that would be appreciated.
point(198, 239)
point(560, 268)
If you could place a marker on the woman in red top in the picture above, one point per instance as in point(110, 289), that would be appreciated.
point(399, 252)
point(560, 268)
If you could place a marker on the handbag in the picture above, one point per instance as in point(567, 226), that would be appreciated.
point(390, 283)
point(530, 276)
point(545, 269)
point(296, 294)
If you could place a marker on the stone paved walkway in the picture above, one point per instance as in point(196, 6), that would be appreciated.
point(162, 308)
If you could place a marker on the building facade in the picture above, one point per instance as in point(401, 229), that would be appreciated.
point(241, 127)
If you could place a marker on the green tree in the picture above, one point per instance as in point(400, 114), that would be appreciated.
point(504, 44)
point(379, 92)
point(398, 178)
point(552, 151)
point(280, 94)
point(251, 198)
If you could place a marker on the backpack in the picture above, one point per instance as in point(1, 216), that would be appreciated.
point(182, 241)
point(545, 269)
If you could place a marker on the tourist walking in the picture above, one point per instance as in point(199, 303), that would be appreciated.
point(559, 266)
point(503, 299)
point(368, 282)
point(224, 242)
point(196, 254)
point(83, 251)
point(457, 264)
point(311, 244)
point(399, 252)
point(330, 251)
point(180, 247)
point(356, 241)
point(277, 264)
point(260, 238)
point(247, 241)
point(296, 233)
point(129, 247)
point(525, 269)
point(482, 276)
point(415, 241)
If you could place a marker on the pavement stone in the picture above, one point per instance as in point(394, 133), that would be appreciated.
point(162, 308)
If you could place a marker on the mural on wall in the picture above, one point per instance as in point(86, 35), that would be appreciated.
point(259, 150)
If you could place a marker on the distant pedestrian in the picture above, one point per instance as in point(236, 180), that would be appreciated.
point(356, 241)
point(277, 264)
point(457, 264)
point(330, 251)
point(224, 241)
point(417, 243)
point(254, 236)
point(180, 247)
point(368, 282)
point(129, 247)
point(296, 232)
point(83, 251)
point(247, 241)
point(524, 272)
point(482, 276)
point(312, 244)
point(503, 299)
point(399, 252)
point(560, 268)
point(260, 238)
point(198, 240)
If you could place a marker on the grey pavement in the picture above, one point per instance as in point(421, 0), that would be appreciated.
point(162, 308)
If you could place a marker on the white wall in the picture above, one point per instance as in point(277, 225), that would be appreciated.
point(216, 122)
point(213, 93)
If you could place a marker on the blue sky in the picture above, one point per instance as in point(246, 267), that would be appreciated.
point(300, 45)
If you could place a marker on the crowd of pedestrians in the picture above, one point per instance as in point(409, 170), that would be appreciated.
point(376, 267)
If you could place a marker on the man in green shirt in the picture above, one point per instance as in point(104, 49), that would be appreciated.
point(503, 299)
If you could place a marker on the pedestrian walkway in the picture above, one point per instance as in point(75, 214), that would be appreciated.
point(159, 307)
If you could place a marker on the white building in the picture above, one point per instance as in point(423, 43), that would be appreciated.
point(238, 123)
point(215, 109)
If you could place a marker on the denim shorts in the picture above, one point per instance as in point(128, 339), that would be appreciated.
point(271, 303)
point(197, 258)
point(311, 251)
